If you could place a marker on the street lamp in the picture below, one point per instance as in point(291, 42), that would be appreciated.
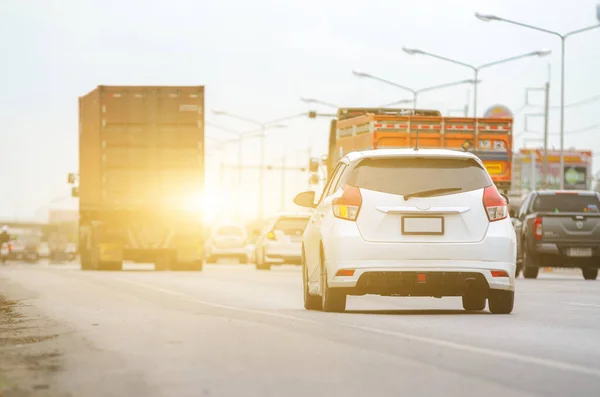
point(400, 102)
point(563, 37)
point(476, 69)
point(317, 101)
point(263, 126)
point(413, 91)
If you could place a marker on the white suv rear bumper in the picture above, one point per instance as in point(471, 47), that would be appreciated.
point(346, 249)
point(371, 267)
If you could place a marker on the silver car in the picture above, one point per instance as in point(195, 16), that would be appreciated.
point(280, 241)
point(227, 241)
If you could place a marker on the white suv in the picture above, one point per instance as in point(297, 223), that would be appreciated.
point(402, 222)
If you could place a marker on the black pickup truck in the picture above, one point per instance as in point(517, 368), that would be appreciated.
point(559, 229)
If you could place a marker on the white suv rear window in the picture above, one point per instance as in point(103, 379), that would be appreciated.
point(404, 176)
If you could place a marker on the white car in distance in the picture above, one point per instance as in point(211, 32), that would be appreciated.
point(407, 222)
point(227, 241)
point(280, 241)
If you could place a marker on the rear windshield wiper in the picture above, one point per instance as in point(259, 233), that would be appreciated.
point(433, 192)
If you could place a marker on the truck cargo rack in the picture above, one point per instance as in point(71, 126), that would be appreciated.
point(347, 113)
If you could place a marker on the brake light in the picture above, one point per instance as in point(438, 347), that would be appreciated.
point(537, 228)
point(271, 236)
point(347, 206)
point(494, 204)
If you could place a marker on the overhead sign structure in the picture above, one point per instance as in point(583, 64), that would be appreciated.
point(498, 112)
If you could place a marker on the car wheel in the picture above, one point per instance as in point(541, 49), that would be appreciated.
point(501, 302)
point(311, 302)
point(331, 299)
point(589, 274)
point(473, 301)
point(263, 266)
point(530, 270)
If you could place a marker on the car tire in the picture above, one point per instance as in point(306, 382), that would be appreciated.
point(332, 300)
point(473, 301)
point(311, 302)
point(528, 267)
point(263, 266)
point(589, 274)
point(501, 302)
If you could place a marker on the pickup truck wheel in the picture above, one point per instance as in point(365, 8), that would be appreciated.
point(473, 301)
point(590, 274)
point(530, 270)
point(501, 302)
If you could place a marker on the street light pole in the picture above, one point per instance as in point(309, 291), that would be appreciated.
point(263, 128)
point(411, 90)
point(475, 69)
point(319, 102)
point(563, 37)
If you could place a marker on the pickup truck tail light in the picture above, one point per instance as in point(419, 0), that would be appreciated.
point(537, 228)
point(494, 204)
point(347, 206)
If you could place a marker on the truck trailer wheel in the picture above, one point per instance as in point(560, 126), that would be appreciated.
point(86, 260)
point(589, 274)
point(110, 266)
point(187, 266)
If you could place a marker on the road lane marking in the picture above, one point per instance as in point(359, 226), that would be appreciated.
point(582, 304)
point(559, 365)
point(484, 351)
point(218, 305)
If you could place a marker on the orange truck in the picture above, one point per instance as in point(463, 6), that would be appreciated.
point(490, 139)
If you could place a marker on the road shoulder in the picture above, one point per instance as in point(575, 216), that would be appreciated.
point(31, 347)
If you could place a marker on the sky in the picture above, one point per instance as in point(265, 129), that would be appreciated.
point(256, 59)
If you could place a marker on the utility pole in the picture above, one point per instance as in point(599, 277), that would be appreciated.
point(533, 182)
point(546, 117)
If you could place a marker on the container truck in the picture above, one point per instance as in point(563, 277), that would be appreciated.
point(141, 177)
point(490, 139)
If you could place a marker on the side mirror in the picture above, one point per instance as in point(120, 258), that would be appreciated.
point(305, 199)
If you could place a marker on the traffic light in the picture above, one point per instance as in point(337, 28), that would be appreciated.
point(312, 114)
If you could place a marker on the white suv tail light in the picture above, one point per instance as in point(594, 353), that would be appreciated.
point(494, 203)
point(347, 206)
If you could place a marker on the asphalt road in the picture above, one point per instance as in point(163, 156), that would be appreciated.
point(235, 331)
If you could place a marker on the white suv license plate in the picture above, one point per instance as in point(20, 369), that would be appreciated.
point(420, 225)
point(580, 252)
